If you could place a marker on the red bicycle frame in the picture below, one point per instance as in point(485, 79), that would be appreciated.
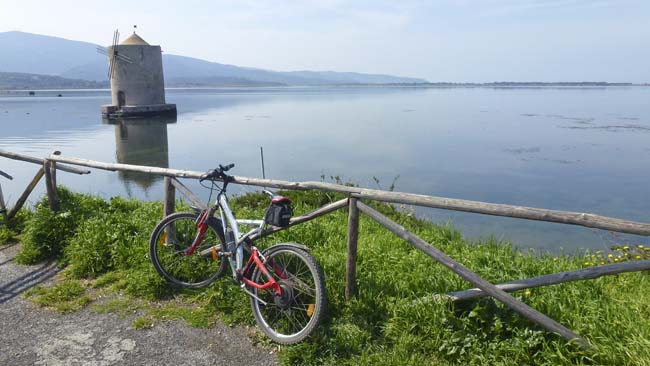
point(202, 224)
point(254, 259)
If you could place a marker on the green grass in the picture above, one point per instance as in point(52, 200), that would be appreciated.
point(7, 235)
point(65, 297)
point(392, 321)
point(123, 306)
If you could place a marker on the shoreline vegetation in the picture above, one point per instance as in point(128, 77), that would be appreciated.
point(102, 245)
point(15, 81)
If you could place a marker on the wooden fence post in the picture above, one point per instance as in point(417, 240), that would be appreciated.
point(169, 197)
point(3, 209)
point(30, 187)
point(53, 169)
point(351, 259)
point(52, 195)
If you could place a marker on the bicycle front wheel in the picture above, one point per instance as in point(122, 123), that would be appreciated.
point(167, 248)
point(292, 317)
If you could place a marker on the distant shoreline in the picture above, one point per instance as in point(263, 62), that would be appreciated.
point(498, 85)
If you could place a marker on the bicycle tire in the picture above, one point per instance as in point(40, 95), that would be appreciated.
point(293, 317)
point(167, 244)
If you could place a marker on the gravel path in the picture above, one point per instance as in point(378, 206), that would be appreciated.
point(34, 336)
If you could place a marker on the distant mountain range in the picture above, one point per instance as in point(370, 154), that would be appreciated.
point(28, 53)
point(19, 80)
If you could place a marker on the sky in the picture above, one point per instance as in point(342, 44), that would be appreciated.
point(452, 40)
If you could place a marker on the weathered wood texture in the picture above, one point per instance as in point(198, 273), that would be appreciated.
point(53, 169)
point(3, 208)
point(169, 204)
point(39, 161)
point(553, 279)
point(330, 207)
point(565, 217)
point(351, 259)
point(23, 197)
point(442, 258)
point(196, 201)
point(6, 175)
point(50, 186)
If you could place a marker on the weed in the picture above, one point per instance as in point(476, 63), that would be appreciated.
point(143, 322)
point(6, 235)
point(64, 297)
point(123, 306)
point(47, 233)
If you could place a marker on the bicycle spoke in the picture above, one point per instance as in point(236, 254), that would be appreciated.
point(171, 260)
point(293, 316)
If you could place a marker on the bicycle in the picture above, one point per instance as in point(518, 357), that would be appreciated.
point(284, 282)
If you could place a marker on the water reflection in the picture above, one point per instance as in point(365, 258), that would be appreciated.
point(141, 141)
point(571, 149)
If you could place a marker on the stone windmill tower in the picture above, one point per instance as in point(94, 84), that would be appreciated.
point(137, 82)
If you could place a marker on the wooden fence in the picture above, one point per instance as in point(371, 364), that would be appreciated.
point(354, 203)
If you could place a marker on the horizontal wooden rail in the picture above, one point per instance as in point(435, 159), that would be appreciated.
point(6, 175)
point(330, 207)
point(553, 279)
point(39, 161)
point(495, 209)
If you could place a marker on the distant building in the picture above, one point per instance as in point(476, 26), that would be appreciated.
point(137, 82)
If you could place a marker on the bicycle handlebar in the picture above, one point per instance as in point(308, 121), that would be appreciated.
point(218, 173)
point(227, 167)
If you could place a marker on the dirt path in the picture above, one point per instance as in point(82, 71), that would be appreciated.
point(34, 336)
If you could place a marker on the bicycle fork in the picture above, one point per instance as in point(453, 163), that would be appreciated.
point(202, 224)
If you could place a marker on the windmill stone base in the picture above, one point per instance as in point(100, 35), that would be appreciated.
point(126, 111)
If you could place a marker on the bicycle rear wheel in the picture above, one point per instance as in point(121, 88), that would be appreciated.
point(292, 317)
point(167, 246)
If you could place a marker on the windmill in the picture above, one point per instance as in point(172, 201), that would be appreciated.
point(113, 54)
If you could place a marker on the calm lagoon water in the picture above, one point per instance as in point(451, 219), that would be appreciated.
point(579, 149)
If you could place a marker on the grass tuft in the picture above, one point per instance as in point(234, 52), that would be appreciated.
point(65, 297)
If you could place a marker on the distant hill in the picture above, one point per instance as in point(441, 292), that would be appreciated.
point(39, 54)
point(18, 80)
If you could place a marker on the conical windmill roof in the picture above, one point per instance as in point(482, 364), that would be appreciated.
point(134, 39)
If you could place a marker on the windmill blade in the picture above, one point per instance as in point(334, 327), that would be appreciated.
point(116, 37)
point(102, 50)
point(124, 58)
point(111, 69)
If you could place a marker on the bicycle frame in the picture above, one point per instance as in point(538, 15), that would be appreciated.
point(228, 220)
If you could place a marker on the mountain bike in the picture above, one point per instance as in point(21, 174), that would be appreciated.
point(284, 282)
